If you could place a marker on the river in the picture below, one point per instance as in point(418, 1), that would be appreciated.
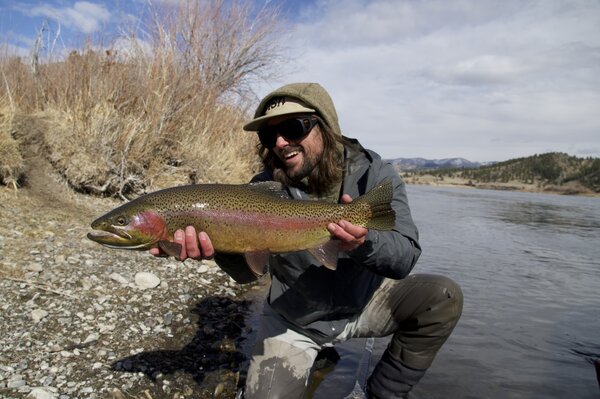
point(529, 267)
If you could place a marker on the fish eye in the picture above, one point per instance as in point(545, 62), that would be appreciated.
point(121, 221)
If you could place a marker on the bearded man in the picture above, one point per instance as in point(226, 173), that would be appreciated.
point(370, 294)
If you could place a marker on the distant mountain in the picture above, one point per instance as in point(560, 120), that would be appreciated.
point(414, 164)
point(549, 169)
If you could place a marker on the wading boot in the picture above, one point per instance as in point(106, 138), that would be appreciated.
point(392, 379)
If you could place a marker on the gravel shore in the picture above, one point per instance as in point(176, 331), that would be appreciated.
point(82, 321)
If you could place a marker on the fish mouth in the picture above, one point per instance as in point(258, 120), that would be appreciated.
point(114, 238)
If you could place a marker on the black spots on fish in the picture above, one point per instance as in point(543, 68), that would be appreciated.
point(378, 200)
point(189, 205)
point(358, 213)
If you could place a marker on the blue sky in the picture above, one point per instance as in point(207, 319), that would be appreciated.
point(480, 79)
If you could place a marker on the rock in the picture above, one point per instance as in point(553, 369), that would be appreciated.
point(219, 389)
point(97, 366)
point(91, 338)
point(41, 393)
point(119, 279)
point(38, 314)
point(146, 280)
point(202, 269)
point(16, 384)
point(86, 284)
point(116, 393)
point(150, 322)
point(34, 267)
point(54, 348)
point(74, 260)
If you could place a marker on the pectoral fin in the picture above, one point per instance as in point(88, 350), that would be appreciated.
point(327, 253)
point(257, 261)
point(170, 248)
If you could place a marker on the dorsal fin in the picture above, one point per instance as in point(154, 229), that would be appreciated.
point(269, 187)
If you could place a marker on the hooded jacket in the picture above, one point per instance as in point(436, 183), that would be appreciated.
point(314, 300)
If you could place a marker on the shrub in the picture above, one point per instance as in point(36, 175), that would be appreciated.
point(155, 109)
point(11, 161)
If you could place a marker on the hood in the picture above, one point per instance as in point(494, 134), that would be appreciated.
point(313, 95)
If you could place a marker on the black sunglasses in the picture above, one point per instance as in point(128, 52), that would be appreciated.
point(290, 129)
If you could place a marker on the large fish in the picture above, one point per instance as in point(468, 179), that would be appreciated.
point(251, 219)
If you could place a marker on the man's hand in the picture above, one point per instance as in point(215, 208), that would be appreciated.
point(193, 245)
point(350, 235)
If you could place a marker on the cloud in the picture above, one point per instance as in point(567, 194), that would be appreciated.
point(11, 50)
point(83, 16)
point(479, 70)
point(475, 79)
point(17, 40)
point(363, 22)
point(131, 47)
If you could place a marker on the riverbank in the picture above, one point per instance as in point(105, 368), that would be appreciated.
point(567, 189)
point(80, 320)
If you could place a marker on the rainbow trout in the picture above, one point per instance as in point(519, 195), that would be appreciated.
point(254, 219)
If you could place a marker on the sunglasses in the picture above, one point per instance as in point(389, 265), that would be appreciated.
point(293, 129)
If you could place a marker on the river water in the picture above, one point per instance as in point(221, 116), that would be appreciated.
point(529, 267)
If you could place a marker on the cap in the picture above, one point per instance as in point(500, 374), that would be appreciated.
point(278, 106)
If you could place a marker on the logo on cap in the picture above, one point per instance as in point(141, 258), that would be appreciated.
point(274, 103)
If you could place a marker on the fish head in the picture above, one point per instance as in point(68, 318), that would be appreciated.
point(124, 229)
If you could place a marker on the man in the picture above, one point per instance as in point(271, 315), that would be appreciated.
point(370, 293)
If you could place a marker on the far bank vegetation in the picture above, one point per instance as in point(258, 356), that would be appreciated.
point(160, 106)
point(551, 172)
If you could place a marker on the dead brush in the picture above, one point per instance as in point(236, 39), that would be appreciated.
point(12, 166)
point(161, 108)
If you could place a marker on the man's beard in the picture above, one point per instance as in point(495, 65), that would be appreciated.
point(318, 173)
point(308, 164)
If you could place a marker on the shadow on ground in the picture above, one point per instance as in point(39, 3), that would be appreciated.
point(212, 359)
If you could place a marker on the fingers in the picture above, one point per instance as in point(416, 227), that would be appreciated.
point(195, 246)
point(157, 252)
point(191, 243)
point(208, 251)
point(353, 230)
point(179, 238)
point(350, 235)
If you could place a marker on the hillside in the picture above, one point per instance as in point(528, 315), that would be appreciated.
point(550, 172)
point(406, 164)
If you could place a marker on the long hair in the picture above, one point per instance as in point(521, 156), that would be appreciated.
point(324, 176)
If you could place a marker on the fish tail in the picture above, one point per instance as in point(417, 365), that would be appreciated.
point(379, 200)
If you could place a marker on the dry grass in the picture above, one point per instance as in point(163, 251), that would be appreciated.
point(11, 161)
point(154, 110)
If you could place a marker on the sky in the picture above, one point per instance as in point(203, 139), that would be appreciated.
point(477, 79)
